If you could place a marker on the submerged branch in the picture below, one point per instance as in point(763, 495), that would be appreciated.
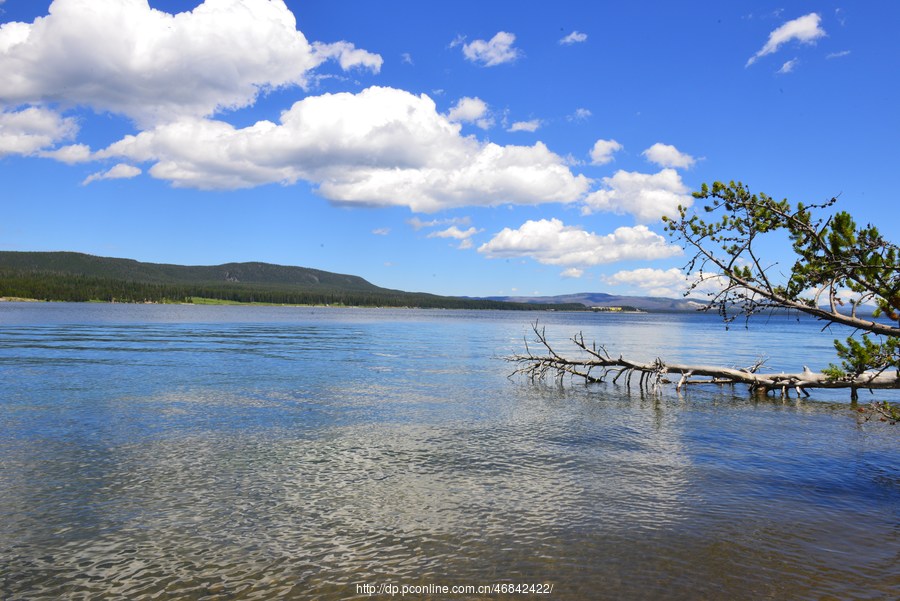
point(596, 365)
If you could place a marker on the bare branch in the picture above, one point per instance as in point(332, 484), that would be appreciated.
point(652, 374)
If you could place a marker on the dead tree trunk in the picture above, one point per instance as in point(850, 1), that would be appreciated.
point(596, 365)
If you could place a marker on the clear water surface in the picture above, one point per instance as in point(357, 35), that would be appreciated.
point(179, 452)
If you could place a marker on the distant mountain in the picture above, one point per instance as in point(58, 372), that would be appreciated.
point(601, 299)
point(651, 304)
point(70, 276)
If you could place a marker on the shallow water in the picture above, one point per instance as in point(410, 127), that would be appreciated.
point(168, 452)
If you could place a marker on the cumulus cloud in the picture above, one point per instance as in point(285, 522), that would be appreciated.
point(573, 38)
point(32, 129)
point(840, 54)
point(646, 196)
point(454, 232)
point(666, 155)
point(172, 73)
point(120, 171)
point(379, 147)
point(665, 282)
point(803, 29)
point(71, 154)
point(531, 126)
point(603, 150)
point(655, 282)
point(498, 50)
point(155, 67)
point(553, 243)
point(464, 236)
point(572, 272)
point(348, 56)
point(471, 110)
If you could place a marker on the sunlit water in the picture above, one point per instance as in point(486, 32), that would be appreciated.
point(167, 452)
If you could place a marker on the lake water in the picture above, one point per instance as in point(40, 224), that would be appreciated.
point(179, 452)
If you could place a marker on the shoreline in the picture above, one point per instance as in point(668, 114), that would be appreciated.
point(224, 303)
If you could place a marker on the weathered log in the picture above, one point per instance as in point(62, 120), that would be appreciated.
point(596, 365)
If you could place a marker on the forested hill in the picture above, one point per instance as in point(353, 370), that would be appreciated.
point(128, 269)
point(69, 276)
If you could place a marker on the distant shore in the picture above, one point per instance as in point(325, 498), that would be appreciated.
point(207, 302)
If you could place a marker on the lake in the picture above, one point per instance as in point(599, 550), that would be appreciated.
point(188, 452)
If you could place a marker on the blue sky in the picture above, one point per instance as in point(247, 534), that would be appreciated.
point(466, 148)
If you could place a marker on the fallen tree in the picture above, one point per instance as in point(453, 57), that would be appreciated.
point(595, 365)
point(839, 268)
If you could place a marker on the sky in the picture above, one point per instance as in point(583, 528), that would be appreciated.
point(462, 148)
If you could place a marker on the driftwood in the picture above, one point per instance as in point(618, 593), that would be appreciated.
point(596, 365)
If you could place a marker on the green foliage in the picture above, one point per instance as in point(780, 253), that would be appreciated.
point(890, 412)
point(82, 278)
point(839, 267)
point(862, 354)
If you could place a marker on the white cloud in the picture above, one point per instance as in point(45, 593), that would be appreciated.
point(471, 110)
point(32, 129)
point(379, 147)
point(71, 154)
point(553, 243)
point(454, 232)
point(571, 161)
point(603, 150)
point(406, 58)
point(840, 54)
point(490, 175)
point(803, 29)
point(418, 224)
point(666, 155)
point(844, 296)
point(572, 272)
point(495, 52)
point(574, 38)
point(348, 56)
point(120, 171)
point(669, 282)
point(655, 282)
point(170, 73)
point(531, 126)
point(127, 58)
point(788, 66)
point(464, 236)
point(580, 114)
point(646, 196)
point(839, 14)
point(381, 231)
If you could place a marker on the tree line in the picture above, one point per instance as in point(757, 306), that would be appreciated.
point(53, 286)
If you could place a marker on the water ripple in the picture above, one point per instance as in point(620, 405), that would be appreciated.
point(297, 459)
